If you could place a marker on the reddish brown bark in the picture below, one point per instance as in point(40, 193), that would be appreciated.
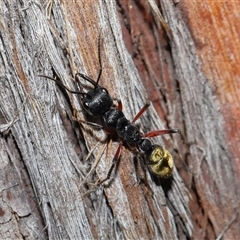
point(199, 64)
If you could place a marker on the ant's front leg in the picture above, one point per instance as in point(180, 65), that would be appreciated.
point(92, 124)
point(119, 106)
point(76, 117)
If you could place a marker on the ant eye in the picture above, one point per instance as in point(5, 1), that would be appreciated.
point(86, 105)
point(105, 90)
point(160, 162)
point(86, 99)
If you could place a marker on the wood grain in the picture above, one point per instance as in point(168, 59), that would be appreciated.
point(58, 39)
point(192, 80)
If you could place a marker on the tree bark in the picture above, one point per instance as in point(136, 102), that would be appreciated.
point(44, 150)
point(197, 75)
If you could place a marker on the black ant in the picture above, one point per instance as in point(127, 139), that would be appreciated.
point(98, 103)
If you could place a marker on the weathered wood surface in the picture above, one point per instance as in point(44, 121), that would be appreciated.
point(198, 77)
point(42, 155)
point(206, 60)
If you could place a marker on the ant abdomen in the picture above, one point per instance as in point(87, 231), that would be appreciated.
point(160, 161)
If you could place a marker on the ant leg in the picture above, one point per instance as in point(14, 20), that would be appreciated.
point(95, 125)
point(114, 163)
point(140, 112)
point(160, 132)
point(96, 161)
point(156, 132)
point(119, 106)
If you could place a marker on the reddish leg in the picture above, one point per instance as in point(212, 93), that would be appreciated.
point(160, 132)
point(156, 132)
point(114, 163)
point(140, 113)
point(119, 106)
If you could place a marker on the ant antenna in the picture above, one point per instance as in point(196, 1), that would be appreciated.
point(65, 87)
point(80, 75)
point(99, 57)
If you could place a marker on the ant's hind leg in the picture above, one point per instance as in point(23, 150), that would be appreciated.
point(156, 133)
point(114, 163)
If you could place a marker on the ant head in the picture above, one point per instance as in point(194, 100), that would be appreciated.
point(160, 162)
point(97, 101)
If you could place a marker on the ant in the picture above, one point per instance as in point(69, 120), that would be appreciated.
point(98, 103)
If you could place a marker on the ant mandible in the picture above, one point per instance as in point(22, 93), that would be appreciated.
point(98, 103)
